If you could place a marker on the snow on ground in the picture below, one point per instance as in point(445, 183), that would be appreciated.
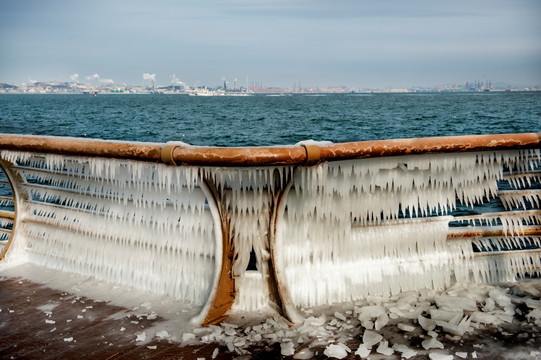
point(464, 321)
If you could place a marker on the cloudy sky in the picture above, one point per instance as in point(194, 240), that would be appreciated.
point(357, 43)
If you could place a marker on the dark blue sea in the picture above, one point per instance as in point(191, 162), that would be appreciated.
point(270, 120)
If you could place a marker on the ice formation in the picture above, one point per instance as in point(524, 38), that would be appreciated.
point(377, 226)
point(330, 233)
point(127, 222)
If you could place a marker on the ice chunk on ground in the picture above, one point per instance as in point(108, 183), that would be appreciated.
point(335, 351)
point(287, 348)
point(456, 303)
point(499, 297)
point(304, 354)
point(445, 315)
point(458, 329)
point(367, 324)
point(371, 338)
point(363, 351)
point(461, 354)
point(384, 348)
point(381, 321)
point(404, 350)
point(162, 334)
point(426, 324)
point(215, 353)
point(70, 339)
point(315, 321)
point(432, 343)
point(484, 318)
point(188, 336)
point(141, 336)
point(406, 327)
point(370, 312)
point(339, 316)
point(440, 356)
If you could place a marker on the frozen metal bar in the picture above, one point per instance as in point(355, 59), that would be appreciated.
point(7, 214)
point(509, 252)
point(176, 153)
point(478, 231)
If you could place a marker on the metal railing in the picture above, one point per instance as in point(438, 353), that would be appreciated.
point(303, 225)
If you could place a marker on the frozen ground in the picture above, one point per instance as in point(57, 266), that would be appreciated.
point(465, 321)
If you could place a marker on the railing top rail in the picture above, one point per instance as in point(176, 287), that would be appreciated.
point(300, 154)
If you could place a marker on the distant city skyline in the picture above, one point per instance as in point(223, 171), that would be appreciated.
point(353, 43)
point(150, 81)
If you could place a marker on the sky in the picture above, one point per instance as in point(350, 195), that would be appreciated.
point(354, 43)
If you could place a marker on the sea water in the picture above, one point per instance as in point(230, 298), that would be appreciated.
point(270, 120)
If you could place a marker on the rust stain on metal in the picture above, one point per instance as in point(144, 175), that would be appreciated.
point(81, 147)
point(472, 233)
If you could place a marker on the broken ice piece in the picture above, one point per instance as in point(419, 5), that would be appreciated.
point(362, 351)
point(287, 348)
point(461, 354)
point(162, 334)
point(339, 316)
point(215, 353)
point(445, 315)
point(432, 343)
point(381, 321)
point(335, 351)
point(239, 342)
point(371, 338)
point(440, 356)
point(384, 348)
point(188, 337)
point(426, 324)
point(456, 303)
point(406, 351)
point(367, 324)
point(152, 347)
point(141, 336)
point(47, 321)
point(484, 318)
point(304, 354)
point(70, 339)
point(405, 327)
point(369, 312)
point(499, 297)
point(315, 321)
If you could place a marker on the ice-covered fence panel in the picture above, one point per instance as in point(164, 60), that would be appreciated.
point(136, 223)
point(377, 226)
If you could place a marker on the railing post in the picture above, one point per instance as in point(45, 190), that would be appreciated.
point(278, 286)
point(222, 293)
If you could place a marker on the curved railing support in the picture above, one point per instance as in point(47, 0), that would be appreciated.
point(8, 215)
point(277, 279)
point(222, 293)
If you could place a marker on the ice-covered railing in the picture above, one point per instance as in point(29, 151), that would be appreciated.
point(286, 227)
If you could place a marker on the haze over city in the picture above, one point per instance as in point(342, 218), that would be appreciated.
point(278, 43)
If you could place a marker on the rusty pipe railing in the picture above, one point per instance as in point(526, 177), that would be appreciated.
point(176, 153)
